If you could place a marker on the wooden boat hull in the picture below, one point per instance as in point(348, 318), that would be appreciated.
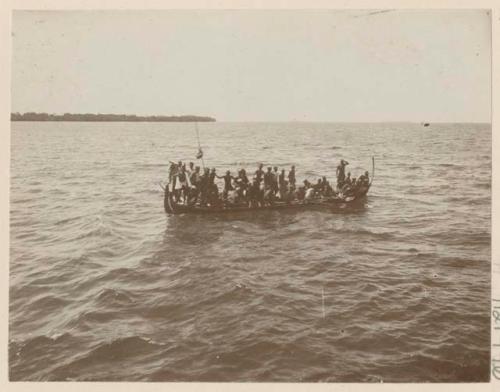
point(171, 207)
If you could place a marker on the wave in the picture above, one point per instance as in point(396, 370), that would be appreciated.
point(21, 201)
point(116, 351)
point(467, 239)
point(33, 346)
point(448, 369)
point(100, 229)
point(48, 303)
point(68, 220)
point(365, 232)
point(108, 297)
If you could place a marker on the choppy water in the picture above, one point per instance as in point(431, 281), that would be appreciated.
point(105, 286)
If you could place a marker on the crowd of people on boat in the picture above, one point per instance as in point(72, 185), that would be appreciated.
point(190, 185)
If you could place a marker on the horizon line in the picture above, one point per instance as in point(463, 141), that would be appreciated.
point(273, 121)
point(234, 121)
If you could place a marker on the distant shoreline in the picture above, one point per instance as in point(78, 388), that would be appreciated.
point(32, 116)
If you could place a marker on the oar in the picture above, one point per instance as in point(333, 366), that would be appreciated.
point(373, 171)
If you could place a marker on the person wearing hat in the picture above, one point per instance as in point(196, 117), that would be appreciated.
point(341, 173)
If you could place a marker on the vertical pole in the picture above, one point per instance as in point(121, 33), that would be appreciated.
point(199, 145)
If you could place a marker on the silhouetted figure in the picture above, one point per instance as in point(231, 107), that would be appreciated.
point(228, 186)
point(341, 173)
point(268, 179)
point(291, 176)
point(204, 186)
point(259, 173)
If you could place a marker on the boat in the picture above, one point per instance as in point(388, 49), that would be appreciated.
point(172, 207)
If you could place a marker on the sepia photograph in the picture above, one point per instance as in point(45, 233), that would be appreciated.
point(250, 195)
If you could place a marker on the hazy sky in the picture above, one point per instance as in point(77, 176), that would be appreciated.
point(255, 65)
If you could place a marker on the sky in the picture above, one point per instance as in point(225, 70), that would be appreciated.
point(256, 65)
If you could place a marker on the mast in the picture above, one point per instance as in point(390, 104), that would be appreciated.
point(199, 155)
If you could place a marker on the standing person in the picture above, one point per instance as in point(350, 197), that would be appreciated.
point(275, 180)
point(259, 173)
point(243, 183)
point(281, 178)
point(341, 173)
point(213, 190)
point(291, 176)
point(176, 185)
point(243, 177)
point(227, 183)
point(172, 172)
point(268, 179)
point(194, 179)
point(183, 182)
point(204, 181)
point(268, 186)
point(282, 184)
point(187, 171)
point(253, 193)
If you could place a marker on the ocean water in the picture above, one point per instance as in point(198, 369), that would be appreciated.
point(105, 286)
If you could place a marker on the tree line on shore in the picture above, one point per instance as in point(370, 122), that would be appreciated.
point(32, 116)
